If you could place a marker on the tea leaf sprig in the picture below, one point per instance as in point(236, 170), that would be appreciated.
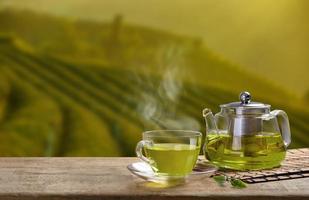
point(236, 183)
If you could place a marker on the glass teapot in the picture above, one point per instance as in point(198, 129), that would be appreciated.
point(246, 135)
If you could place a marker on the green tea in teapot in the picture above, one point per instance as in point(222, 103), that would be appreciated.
point(248, 152)
point(246, 135)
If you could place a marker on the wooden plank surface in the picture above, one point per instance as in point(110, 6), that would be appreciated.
point(108, 178)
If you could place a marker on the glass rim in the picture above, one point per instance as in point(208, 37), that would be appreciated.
point(192, 133)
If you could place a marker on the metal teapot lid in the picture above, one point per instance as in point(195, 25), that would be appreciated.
point(245, 106)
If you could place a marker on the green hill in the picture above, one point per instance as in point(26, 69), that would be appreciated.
point(70, 96)
point(141, 49)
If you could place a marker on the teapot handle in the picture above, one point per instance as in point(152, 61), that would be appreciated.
point(284, 126)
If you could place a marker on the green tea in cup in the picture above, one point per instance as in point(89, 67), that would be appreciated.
point(172, 159)
point(170, 153)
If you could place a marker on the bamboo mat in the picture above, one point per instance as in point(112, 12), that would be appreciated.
point(296, 165)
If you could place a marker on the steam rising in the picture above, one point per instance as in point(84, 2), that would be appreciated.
point(160, 105)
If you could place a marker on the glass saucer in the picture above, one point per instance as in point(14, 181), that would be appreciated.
point(144, 171)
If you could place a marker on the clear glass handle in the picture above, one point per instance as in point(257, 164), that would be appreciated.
point(139, 151)
point(284, 126)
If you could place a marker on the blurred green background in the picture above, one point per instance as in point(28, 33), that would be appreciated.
point(86, 78)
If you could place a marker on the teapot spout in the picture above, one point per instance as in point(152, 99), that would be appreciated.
point(211, 126)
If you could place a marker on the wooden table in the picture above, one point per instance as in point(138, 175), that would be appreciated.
point(108, 178)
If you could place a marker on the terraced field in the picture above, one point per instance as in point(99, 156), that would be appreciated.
point(51, 107)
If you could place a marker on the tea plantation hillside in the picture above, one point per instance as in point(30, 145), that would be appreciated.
point(130, 47)
point(82, 88)
point(50, 107)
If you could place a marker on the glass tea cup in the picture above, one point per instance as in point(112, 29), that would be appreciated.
point(171, 154)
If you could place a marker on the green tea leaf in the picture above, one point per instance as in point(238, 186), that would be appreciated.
point(220, 179)
point(237, 183)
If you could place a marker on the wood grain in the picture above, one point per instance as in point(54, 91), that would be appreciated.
point(108, 178)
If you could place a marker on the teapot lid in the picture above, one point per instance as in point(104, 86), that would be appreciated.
point(245, 106)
